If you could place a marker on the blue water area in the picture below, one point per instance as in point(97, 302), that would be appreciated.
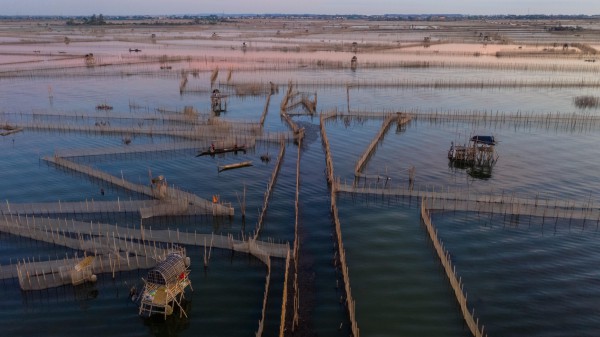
point(521, 274)
point(524, 278)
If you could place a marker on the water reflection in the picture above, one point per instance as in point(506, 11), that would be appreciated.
point(173, 325)
point(474, 171)
point(83, 295)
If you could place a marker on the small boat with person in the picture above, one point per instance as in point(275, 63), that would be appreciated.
point(212, 150)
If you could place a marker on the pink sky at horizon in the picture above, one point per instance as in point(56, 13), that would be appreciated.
point(367, 7)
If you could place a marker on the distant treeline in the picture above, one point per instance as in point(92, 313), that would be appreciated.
point(202, 18)
point(561, 28)
point(101, 20)
point(92, 20)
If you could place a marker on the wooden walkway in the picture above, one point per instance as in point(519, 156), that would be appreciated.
point(172, 194)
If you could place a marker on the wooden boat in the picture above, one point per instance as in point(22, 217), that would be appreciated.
point(212, 151)
point(235, 165)
point(9, 130)
point(103, 106)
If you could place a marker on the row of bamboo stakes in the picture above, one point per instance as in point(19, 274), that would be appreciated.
point(570, 122)
point(265, 257)
point(171, 192)
point(147, 66)
point(544, 206)
point(360, 164)
point(454, 64)
point(269, 191)
point(517, 118)
point(468, 115)
point(284, 300)
point(27, 224)
point(454, 83)
point(255, 251)
point(444, 256)
point(159, 115)
point(150, 71)
point(201, 131)
point(142, 208)
point(101, 244)
point(304, 101)
point(455, 282)
point(296, 247)
point(99, 239)
point(350, 303)
point(245, 132)
point(284, 106)
point(265, 110)
point(261, 322)
point(165, 122)
point(285, 103)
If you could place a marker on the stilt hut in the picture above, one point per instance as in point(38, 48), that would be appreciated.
point(165, 285)
point(159, 187)
point(89, 59)
point(216, 101)
point(480, 152)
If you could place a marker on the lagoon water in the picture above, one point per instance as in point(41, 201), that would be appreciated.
point(524, 278)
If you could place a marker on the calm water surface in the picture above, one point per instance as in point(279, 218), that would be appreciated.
point(523, 279)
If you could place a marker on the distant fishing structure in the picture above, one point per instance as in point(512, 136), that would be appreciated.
point(481, 151)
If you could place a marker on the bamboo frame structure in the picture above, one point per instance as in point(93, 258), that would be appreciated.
point(165, 285)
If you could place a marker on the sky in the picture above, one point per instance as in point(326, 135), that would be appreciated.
point(368, 7)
